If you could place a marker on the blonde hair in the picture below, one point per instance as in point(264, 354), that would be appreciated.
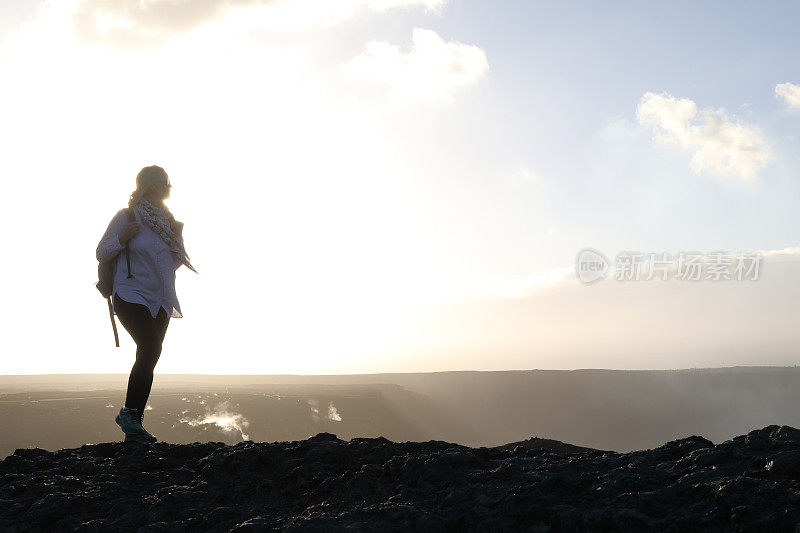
point(146, 176)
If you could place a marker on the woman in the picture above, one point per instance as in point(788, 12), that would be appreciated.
point(144, 299)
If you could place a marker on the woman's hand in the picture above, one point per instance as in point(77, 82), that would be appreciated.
point(128, 232)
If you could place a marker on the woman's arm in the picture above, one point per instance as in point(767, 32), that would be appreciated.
point(109, 245)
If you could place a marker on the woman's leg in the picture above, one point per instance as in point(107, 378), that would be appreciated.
point(162, 322)
point(148, 333)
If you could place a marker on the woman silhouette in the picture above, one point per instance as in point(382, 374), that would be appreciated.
point(144, 298)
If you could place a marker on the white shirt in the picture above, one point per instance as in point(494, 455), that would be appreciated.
point(153, 267)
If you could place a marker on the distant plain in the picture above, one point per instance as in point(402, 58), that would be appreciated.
point(605, 409)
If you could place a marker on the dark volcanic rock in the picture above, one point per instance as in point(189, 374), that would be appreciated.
point(321, 484)
point(536, 443)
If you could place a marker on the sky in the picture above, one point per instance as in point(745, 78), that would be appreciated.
point(404, 185)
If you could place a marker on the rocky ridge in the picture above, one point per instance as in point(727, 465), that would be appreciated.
point(751, 482)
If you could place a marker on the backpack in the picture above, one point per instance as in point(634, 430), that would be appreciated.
point(105, 275)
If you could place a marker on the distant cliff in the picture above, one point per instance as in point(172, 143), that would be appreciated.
point(749, 483)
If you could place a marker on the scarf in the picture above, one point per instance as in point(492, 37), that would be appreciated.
point(159, 219)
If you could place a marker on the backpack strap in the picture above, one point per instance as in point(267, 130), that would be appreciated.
point(113, 324)
point(131, 218)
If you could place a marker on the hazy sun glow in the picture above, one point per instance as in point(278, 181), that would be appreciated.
point(369, 185)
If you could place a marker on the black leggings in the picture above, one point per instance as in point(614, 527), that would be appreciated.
point(148, 333)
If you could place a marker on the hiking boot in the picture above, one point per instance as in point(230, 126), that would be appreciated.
point(149, 436)
point(142, 439)
point(131, 424)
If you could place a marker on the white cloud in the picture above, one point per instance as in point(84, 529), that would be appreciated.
point(136, 23)
point(537, 283)
point(718, 144)
point(429, 72)
point(526, 287)
point(791, 252)
point(789, 92)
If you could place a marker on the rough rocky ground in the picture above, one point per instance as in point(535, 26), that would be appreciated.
point(750, 483)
